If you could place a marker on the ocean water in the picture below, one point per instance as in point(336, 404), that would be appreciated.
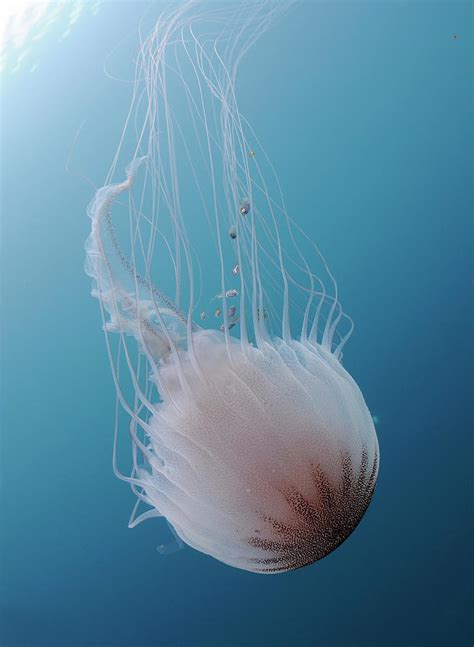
point(365, 109)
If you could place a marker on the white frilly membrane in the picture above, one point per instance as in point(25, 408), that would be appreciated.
point(256, 445)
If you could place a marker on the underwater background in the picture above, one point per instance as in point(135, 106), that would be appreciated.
point(365, 109)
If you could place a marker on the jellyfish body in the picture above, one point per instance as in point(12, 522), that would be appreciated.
point(272, 463)
point(257, 448)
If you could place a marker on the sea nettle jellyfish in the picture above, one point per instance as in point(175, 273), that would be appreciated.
point(222, 320)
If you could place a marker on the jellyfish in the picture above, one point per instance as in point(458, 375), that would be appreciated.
point(253, 442)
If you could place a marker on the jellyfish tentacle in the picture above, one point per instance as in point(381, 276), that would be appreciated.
point(128, 310)
point(135, 519)
point(172, 546)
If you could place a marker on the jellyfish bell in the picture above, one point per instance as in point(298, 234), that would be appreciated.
point(277, 455)
point(256, 447)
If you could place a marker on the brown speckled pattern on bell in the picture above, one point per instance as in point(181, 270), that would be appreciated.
point(323, 522)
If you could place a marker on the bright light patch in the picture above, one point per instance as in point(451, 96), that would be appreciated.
point(25, 24)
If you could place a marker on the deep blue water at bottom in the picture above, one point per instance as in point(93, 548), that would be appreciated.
point(366, 112)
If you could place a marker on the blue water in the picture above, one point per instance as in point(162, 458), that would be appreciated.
point(366, 112)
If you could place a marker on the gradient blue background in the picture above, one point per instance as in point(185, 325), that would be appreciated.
point(366, 112)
